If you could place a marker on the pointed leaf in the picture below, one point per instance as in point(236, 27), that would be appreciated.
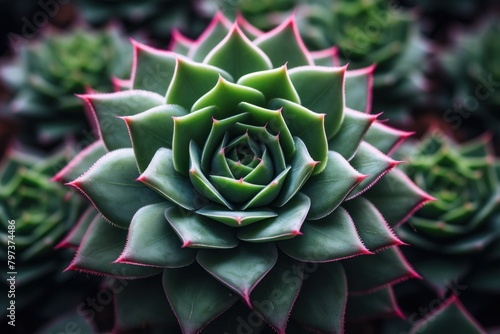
point(321, 89)
point(108, 107)
point(329, 189)
point(153, 69)
point(396, 197)
point(241, 268)
point(197, 300)
point(238, 191)
point(371, 162)
point(371, 226)
point(373, 272)
point(235, 218)
point(309, 127)
point(75, 236)
point(331, 238)
point(199, 180)
point(327, 57)
point(226, 96)
point(284, 45)
point(358, 89)
point(286, 225)
point(212, 35)
point(451, 317)
point(376, 305)
point(179, 43)
point(161, 177)
point(151, 241)
point(322, 300)
point(112, 188)
point(237, 55)
point(274, 83)
point(269, 193)
point(200, 232)
point(385, 138)
point(191, 81)
point(351, 133)
point(275, 295)
point(100, 247)
point(151, 130)
point(302, 166)
point(82, 162)
point(140, 303)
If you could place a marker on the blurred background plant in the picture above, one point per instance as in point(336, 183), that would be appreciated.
point(455, 240)
point(43, 212)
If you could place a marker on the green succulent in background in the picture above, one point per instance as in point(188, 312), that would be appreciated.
point(35, 215)
point(235, 174)
point(370, 32)
point(455, 239)
point(156, 18)
point(473, 67)
point(46, 74)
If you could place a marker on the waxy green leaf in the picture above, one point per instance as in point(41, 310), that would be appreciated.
point(274, 83)
point(235, 218)
point(358, 89)
point(197, 300)
point(152, 242)
point(151, 130)
point(240, 268)
point(331, 238)
point(111, 182)
point(197, 231)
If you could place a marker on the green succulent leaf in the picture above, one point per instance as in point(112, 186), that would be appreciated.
point(396, 197)
point(151, 130)
point(451, 316)
point(235, 218)
point(322, 299)
point(385, 138)
point(75, 236)
point(237, 55)
point(329, 189)
point(151, 241)
point(370, 161)
point(213, 35)
point(274, 83)
point(308, 126)
point(109, 107)
point(269, 193)
point(241, 268)
point(302, 166)
point(153, 69)
point(197, 231)
point(82, 162)
point(285, 225)
point(161, 177)
point(197, 300)
point(373, 272)
point(100, 247)
point(358, 89)
point(275, 295)
point(226, 96)
point(331, 238)
point(351, 133)
point(283, 45)
point(375, 305)
point(112, 182)
point(371, 225)
point(138, 304)
point(191, 81)
point(321, 89)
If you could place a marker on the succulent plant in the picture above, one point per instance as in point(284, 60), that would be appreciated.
point(235, 171)
point(47, 73)
point(372, 32)
point(474, 70)
point(455, 239)
point(35, 215)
